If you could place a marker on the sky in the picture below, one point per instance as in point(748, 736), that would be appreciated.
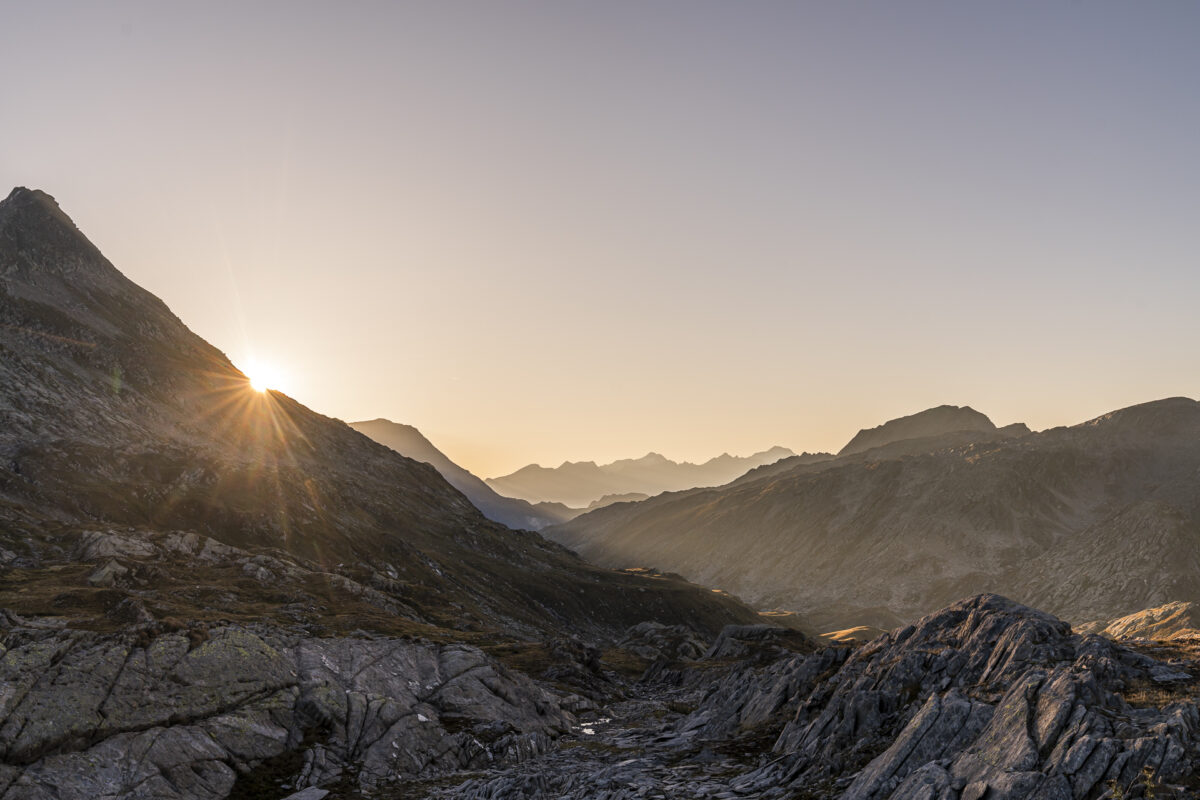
point(548, 231)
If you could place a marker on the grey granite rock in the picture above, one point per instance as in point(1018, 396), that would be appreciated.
point(987, 700)
point(87, 715)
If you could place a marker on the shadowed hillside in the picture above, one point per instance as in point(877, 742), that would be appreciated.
point(408, 441)
point(118, 421)
point(1093, 521)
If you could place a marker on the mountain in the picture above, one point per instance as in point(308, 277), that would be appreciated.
point(408, 441)
point(126, 438)
point(207, 593)
point(1090, 522)
point(929, 423)
point(578, 484)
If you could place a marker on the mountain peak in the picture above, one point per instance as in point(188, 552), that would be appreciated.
point(23, 195)
point(930, 422)
point(33, 225)
point(34, 205)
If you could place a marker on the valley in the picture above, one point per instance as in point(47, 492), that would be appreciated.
point(209, 591)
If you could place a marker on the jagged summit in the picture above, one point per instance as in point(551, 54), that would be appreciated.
point(22, 197)
point(931, 422)
point(33, 222)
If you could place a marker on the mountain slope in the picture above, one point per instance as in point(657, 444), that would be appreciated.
point(1173, 620)
point(1089, 522)
point(408, 441)
point(580, 483)
point(117, 421)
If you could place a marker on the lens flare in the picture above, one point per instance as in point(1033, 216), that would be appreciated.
point(262, 376)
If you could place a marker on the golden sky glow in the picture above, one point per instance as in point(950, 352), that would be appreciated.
point(542, 232)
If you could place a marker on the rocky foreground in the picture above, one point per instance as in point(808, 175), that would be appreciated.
point(984, 700)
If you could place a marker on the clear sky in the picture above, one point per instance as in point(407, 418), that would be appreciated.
point(542, 231)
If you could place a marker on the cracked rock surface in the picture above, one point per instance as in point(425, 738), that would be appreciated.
point(984, 700)
point(88, 715)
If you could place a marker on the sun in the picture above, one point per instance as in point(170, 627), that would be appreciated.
point(262, 376)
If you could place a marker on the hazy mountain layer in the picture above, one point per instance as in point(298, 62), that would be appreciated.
point(115, 418)
point(408, 441)
point(578, 484)
point(1093, 521)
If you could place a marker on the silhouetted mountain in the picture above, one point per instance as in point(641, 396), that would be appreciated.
point(408, 441)
point(119, 422)
point(578, 484)
point(1092, 521)
point(932, 422)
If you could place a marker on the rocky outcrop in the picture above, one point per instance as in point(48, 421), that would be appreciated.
point(985, 699)
point(654, 641)
point(189, 714)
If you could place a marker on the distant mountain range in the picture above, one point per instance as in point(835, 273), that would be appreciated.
point(408, 441)
point(517, 513)
point(1091, 522)
point(578, 484)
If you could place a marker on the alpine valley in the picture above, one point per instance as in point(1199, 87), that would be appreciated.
point(212, 592)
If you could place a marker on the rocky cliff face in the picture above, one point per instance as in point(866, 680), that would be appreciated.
point(1092, 521)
